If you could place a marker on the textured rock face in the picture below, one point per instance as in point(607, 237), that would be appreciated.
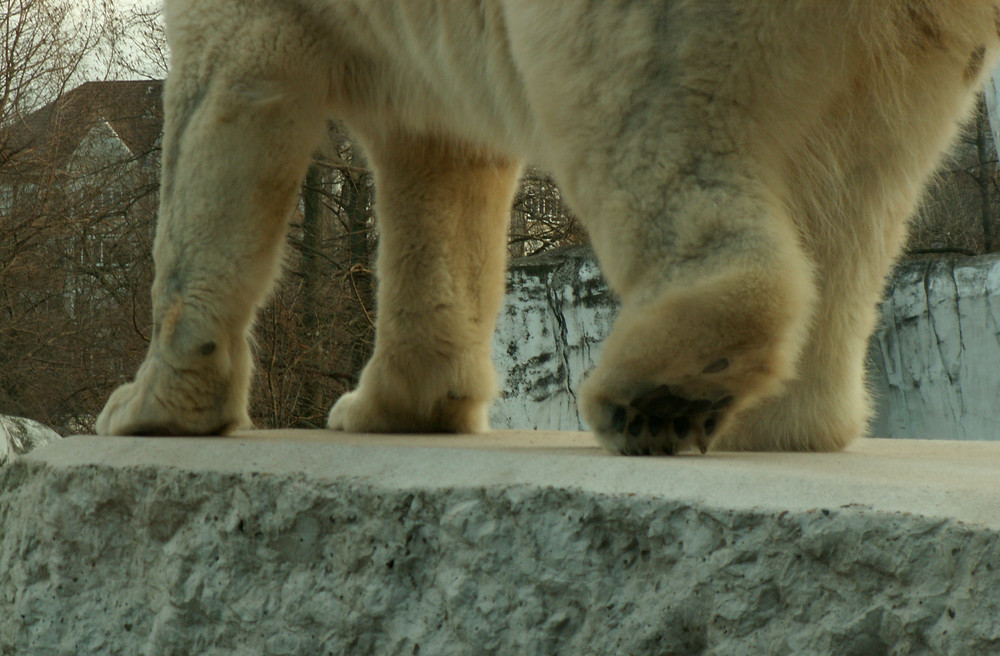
point(319, 546)
point(19, 435)
point(556, 314)
point(934, 361)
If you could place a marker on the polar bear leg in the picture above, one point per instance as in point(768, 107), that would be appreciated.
point(443, 211)
point(243, 113)
point(692, 349)
point(717, 295)
point(827, 406)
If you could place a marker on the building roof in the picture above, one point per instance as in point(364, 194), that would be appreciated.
point(50, 135)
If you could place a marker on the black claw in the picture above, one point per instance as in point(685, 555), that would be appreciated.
point(664, 447)
point(682, 426)
point(635, 426)
point(716, 366)
point(722, 403)
point(618, 420)
point(710, 424)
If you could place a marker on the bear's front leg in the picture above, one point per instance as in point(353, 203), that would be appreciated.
point(244, 106)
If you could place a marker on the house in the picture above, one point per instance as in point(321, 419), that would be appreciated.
point(119, 119)
point(78, 187)
point(78, 199)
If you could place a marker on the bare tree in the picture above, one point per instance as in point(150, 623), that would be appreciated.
point(961, 211)
point(76, 240)
point(316, 332)
point(77, 197)
point(44, 44)
point(136, 46)
point(540, 220)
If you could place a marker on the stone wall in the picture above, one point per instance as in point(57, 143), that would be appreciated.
point(318, 543)
point(935, 359)
point(934, 362)
point(556, 315)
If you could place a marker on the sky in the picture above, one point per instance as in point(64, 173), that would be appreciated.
point(140, 66)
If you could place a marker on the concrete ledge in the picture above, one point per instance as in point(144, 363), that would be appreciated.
point(515, 543)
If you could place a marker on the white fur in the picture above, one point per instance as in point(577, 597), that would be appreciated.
point(744, 168)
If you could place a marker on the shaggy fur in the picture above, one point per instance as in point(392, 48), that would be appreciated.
point(745, 169)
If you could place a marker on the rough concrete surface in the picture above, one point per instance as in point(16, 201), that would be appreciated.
point(934, 367)
point(313, 543)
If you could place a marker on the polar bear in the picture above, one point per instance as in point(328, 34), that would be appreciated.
point(744, 168)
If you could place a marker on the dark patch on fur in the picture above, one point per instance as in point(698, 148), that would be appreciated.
point(716, 366)
point(975, 64)
point(927, 26)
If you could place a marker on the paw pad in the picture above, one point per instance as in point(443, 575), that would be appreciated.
point(659, 421)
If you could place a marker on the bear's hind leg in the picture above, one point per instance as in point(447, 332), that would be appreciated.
point(827, 406)
point(717, 295)
point(443, 211)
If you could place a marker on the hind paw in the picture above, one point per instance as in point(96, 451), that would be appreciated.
point(662, 421)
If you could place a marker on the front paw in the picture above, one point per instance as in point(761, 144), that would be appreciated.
point(344, 416)
point(162, 401)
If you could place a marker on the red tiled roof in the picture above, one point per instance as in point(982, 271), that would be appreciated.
point(133, 109)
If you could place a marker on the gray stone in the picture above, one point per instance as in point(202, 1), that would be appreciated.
point(935, 358)
point(320, 543)
point(556, 314)
point(19, 435)
point(934, 367)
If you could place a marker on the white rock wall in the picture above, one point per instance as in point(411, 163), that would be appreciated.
point(992, 94)
point(19, 435)
point(934, 363)
point(556, 314)
point(935, 360)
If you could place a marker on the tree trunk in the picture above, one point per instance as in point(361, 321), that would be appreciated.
point(309, 410)
point(357, 204)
